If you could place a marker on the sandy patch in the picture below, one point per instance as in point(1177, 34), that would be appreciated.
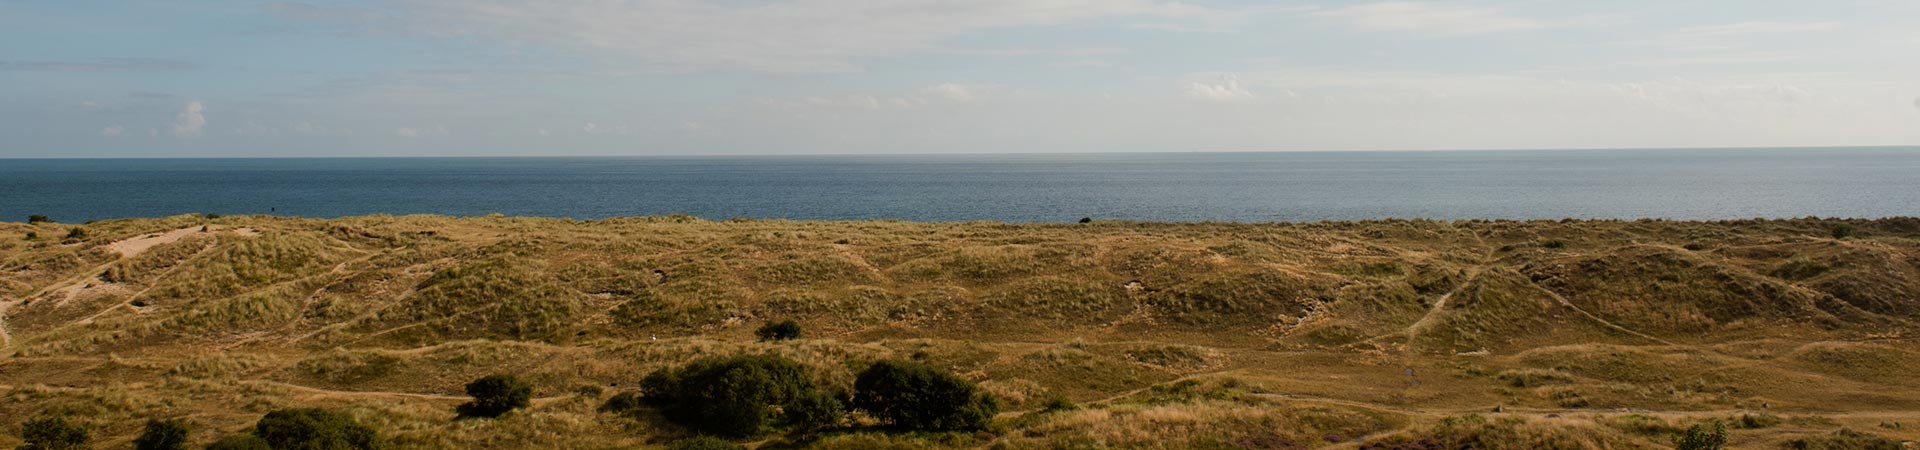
point(132, 247)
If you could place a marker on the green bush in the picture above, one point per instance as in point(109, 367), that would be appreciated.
point(779, 331)
point(32, 235)
point(239, 442)
point(53, 433)
point(162, 435)
point(730, 396)
point(919, 397)
point(817, 409)
point(77, 234)
point(704, 443)
point(1706, 436)
point(314, 429)
point(36, 218)
point(495, 395)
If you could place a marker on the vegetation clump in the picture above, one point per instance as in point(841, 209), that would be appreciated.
point(314, 429)
point(779, 331)
point(1706, 436)
point(736, 396)
point(162, 435)
point(37, 218)
point(496, 395)
point(53, 433)
point(919, 397)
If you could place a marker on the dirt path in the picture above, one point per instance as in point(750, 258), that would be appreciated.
point(127, 248)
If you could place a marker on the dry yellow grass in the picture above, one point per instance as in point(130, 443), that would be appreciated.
point(1583, 334)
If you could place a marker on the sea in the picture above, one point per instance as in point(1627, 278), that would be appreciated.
point(1865, 182)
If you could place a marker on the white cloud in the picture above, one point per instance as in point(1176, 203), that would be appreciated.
point(1227, 89)
point(190, 120)
point(788, 36)
point(952, 91)
point(440, 130)
point(939, 94)
point(113, 131)
point(1432, 19)
point(1762, 27)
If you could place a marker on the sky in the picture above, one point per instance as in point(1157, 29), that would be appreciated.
point(191, 78)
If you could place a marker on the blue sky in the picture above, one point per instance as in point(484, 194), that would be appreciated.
point(83, 78)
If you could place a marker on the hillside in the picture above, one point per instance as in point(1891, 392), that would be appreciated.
point(1379, 334)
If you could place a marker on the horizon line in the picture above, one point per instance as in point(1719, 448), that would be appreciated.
point(1010, 153)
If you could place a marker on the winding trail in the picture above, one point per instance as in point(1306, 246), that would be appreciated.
point(128, 249)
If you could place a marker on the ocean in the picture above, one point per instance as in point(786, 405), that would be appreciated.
point(1241, 187)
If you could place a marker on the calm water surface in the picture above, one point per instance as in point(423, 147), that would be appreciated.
point(1248, 187)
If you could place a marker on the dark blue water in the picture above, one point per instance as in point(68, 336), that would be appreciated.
point(1252, 187)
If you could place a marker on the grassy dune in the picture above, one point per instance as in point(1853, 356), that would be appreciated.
point(1378, 335)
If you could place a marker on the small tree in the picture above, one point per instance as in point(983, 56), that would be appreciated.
point(779, 331)
point(1702, 437)
point(53, 433)
point(162, 435)
point(314, 429)
point(243, 441)
point(495, 395)
point(36, 218)
point(919, 397)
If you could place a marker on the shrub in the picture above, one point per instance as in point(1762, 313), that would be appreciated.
point(53, 433)
point(36, 218)
point(622, 403)
point(919, 397)
point(239, 442)
point(1086, 220)
point(77, 234)
point(704, 443)
point(1058, 404)
point(1845, 439)
point(32, 235)
point(314, 429)
point(1555, 244)
point(815, 410)
point(1706, 436)
point(1841, 231)
point(730, 396)
point(779, 331)
point(162, 435)
point(495, 395)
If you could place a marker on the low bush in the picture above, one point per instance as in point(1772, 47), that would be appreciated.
point(779, 331)
point(735, 396)
point(1706, 436)
point(314, 429)
point(36, 218)
point(622, 403)
point(77, 234)
point(53, 433)
point(496, 395)
point(920, 397)
point(162, 435)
